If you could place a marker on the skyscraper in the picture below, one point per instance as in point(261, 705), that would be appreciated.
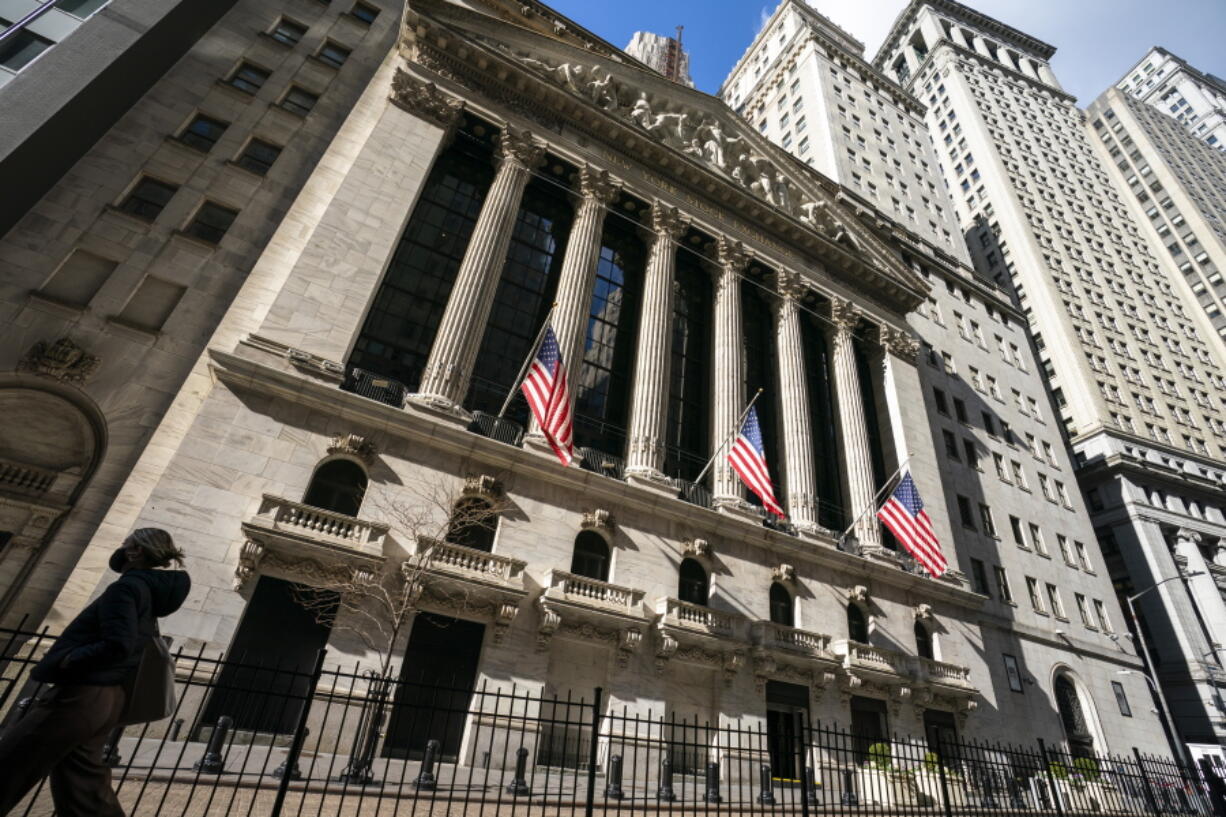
point(1134, 380)
point(664, 54)
point(1194, 99)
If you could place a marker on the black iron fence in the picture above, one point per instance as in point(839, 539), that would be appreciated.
point(251, 737)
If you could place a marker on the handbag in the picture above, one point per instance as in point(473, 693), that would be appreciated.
point(150, 690)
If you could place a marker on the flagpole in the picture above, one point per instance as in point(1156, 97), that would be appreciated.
point(732, 436)
point(876, 497)
point(528, 361)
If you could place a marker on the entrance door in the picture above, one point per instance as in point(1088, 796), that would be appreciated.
point(268, 665)
point(436, 683)
point(941, 733)
point(787, 709)
point(868, 725)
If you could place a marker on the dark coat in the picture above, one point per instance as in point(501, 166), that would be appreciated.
point(102, 645)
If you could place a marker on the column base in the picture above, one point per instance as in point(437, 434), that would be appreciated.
point(439, 407)
point(652, 480)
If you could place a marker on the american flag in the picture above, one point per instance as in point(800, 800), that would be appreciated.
point(749, 461)
point(545, 388)
point(904, 514)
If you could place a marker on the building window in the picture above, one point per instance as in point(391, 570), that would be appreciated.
point(20, 49)
point(473, 524)
point(687, 444)
point(248, 78)
point(203, 132)
point(857, 625)
point(1032, 589)
point(972, 453)
point(951, 445)
point(923, 641)
point(337, 486)
point(692, 586)
point(364, 12)
point(148, 198)
point(989, 524)
point(258, 156)
point(298, 101)
point(979, 577)
point(1121, 699)
point(938, 398)
point(960, 410)
point(1100, 612)
point(1083, 556)
point(211, 222)
point(965, 513)
point(1015, 526)
point(1002, 584)
point(781, 611)
point(591, 556)
point(1053, 599)
point(287, 31)
point(150, 306)
point(78, 279)
point(333, 54)
point(1083, 610)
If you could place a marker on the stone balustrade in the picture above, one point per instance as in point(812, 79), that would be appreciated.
point(782, 637)
point(683, 614)
point(287, 516)
point(582, 589)
point(24, 478)
point(943, 673)
point(471, 562)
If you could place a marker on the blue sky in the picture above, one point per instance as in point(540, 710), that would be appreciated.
point(1096, 40)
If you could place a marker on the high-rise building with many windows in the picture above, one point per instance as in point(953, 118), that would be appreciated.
point(1135, 382)
point(1194, 99)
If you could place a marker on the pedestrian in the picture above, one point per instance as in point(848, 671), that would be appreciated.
point(84, 673)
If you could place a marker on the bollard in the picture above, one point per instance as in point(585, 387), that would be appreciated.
point(665, 791)
point(294, 773)
point(849, 789)
point(1016, 801)
point(110, 749)
point(175, 728)
point(613, 791)
point(989, 790)
point(767, 796)
point(519, 785)
point(712, 793)
point(425, 778)
point(212, 762)
point(810, 786)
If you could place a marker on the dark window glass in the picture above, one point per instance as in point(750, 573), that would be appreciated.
point(473, 524)
point(248, 78)
point(873, 422)
point(365, 13)
point(826, 452)
point(337, 486)
point(688, 433)
point(979, 578)
point(287, 31)
point(18, 50)
point(333, 54)
point(211, 222)
point(81, 8)
point(602, 395)
point(203, 132)
point(399, 329)
point(148, 198)
point(692, 582)
point(591, 556)
point(759, 329)
point(529, 279)
point(299, 101)
point(258, 156)
point(923, 641)
point(781, 605)
point(857, 626)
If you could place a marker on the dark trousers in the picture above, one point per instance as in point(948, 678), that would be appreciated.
point(62, 735)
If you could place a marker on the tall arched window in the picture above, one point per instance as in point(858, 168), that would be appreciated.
point(687, 445)
point(591, 556)
point(923, 641)
point(473, 524)
point(857, 626)
point(1072, 716)
point(337, 486)
point(781, 606)
point(692, 582)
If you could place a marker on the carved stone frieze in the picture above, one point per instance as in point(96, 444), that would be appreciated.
point(696, 548)
point(901, 344)
point(63, 360)
point(425, 100)
point(249, 558)
point(784, 573)
point(598, 520)
point(923, 612)
point(858, 594)
point(354, 445)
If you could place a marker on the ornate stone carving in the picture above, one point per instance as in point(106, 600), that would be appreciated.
point(482, 485)
point(504, 614)
point(790, 285)
point(732, 255)
point(62, 360)
point(249, 559)
point(424, 99)
point(550, 621)
point(845, 315)
point(899, 343)
point(858, 594)
point(696, 548)
point(628, 644)
point(598, 520)
point(733, 661)
point(516, 145)
point(666, 648)
point(923, 612)
point(1188, 538)
point(354, 445)
point(784, 573)
point(596, 184)
point(667, 222)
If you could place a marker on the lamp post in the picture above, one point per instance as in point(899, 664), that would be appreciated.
point(1180, 750)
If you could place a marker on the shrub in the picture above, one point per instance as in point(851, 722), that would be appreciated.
point(931, 761)
point(880, 755)
point(1058, 770)
point(1088, 767)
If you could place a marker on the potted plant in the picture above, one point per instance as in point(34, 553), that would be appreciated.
point(927, 780)
point(880, 782)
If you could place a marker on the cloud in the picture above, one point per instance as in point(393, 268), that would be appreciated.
point(764, 16)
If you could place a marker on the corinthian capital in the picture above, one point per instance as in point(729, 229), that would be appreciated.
point(596, 185)
point(899, 343)
point(844, 314)
point(667, 222)
point(731, 254)
point(790, 285)
point(518, 146)
point(425, 100)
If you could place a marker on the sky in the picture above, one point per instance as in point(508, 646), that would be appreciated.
point(1096, 40)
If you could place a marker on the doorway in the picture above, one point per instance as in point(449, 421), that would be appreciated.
point(436, 685)
point(868, 725)
point(787, 711)
point(941, 735)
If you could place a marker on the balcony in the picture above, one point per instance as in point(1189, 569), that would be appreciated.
point(461, 579)
point(589, 609)
point(791, 654)
point(296, 529)
point(792, 641)
point(698, 634)
point(863, 662)
point(943, 678)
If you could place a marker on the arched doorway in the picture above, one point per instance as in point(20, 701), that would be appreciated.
point(1073, 717)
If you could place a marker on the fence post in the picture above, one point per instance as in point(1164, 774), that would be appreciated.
point(1051, 779)
point(591, 752)
point(949, 809)
point(1149, 790)
point(295, 746)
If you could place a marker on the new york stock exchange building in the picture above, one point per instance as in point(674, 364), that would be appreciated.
point(505, 170)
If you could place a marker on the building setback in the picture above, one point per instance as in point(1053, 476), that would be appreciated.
point(1194, 99)
point(1135, 379)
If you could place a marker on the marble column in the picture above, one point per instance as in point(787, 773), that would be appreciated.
point(800, 480)
point(578, 275)
point(649, 404)
point(1203, 588)
point(857, 456)
point(728, 384)
point(446, 377)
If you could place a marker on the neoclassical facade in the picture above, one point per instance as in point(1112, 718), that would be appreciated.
point(502, 168)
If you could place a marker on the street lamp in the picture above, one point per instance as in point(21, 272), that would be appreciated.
point(1166, 710)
